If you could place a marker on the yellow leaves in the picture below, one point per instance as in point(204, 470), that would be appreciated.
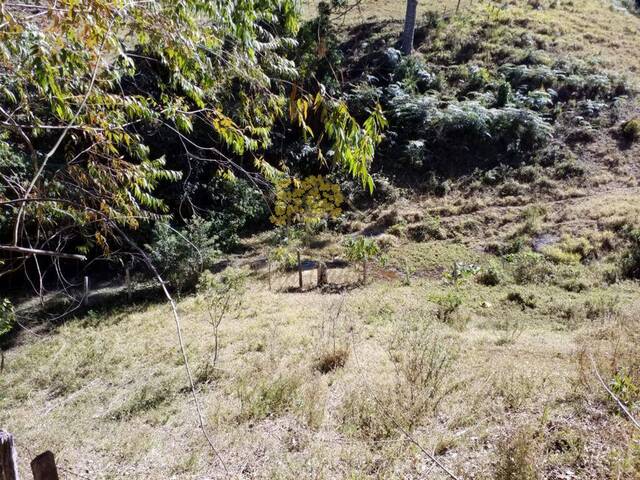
point(306, 201)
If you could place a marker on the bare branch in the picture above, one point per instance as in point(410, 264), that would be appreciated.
point(47, 253)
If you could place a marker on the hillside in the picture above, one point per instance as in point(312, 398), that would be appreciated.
point(505, 215)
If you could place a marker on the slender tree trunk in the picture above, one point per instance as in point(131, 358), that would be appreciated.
point(409, 26)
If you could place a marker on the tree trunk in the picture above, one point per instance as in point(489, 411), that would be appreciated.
point(409, 26)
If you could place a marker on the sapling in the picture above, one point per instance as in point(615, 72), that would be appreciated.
point(222, 296)
point(361, 250)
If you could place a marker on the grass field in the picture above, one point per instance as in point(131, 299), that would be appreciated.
point(492, 372)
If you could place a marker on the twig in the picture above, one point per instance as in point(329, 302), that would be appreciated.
point(622, 406)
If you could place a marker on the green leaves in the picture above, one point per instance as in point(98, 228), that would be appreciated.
point(7, 316)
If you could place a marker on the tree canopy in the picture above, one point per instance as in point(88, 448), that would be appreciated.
point(90, 90)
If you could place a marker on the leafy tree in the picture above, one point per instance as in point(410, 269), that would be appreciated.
point(91, 90)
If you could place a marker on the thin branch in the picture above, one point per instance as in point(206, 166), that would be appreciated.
point(622, 406)
point(183, 350)
point(47, 253)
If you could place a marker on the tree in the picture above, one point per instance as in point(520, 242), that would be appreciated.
point(409, 26)
point(362, 250)
point(96, 97)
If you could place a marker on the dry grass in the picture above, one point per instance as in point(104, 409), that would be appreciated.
point(108, 393)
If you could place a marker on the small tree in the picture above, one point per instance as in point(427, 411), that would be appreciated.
point(222, 296)
point(362, 250)
point(409, 26)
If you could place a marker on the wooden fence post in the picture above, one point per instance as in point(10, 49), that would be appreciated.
point(299, 271)
point(8, 457)
point(322, 274)
point(44, 467)
point(85, 299)
point(269, 273)
point(127, 279)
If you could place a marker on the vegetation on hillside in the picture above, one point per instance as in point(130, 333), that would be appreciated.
point(474, 207)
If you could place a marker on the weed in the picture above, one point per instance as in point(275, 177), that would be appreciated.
point(448, 305)
point(332, 360)
point(361, 415)
point(515, 390)
point(516, 457)
point(422, 362)
point(601, 307)
point(491, 275)
point(429, 229)
point(268, 398)
point(510, 329)
point(529, 267)
point(527, 301)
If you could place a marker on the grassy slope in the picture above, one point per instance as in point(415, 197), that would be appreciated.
point(107, 393)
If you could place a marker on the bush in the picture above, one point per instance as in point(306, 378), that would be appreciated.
point(630, 261)
point(516, 457)
point(631, 129)
point(181, 256)
point(491, 275)
point(529, 267)
point(448, 305)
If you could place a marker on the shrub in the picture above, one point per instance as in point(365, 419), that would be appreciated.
point(529, 267)
point(491, 275)
point(631, 129)
point(448, 305)
point(630, 260)
point(283, 257)
point(181, 256)
point(516, 457)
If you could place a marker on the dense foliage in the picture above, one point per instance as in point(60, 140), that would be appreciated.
point(105, 106)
